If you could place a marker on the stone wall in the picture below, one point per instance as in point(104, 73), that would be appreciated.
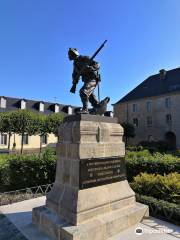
point(33, 142)
point(158, 129)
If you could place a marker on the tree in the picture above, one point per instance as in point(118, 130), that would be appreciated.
point(42, 128)
point(6, 125)
point(53, 122)
point(129, 131)
point(25, 122)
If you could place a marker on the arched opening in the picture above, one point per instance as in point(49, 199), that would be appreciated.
point(170, 139)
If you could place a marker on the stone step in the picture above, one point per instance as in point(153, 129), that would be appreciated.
point(100, 228)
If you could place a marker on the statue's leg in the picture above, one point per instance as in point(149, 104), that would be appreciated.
point(86, 94)
point(93, 100)
point(84, 98)
point(90, 86)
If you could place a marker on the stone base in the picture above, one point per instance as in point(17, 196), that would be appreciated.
point(102, 227)
point(77, 206)
point(90, 151)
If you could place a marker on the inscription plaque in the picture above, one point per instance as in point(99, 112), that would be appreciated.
point(99, 171)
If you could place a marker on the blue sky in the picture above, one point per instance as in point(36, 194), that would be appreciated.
point(143, 37)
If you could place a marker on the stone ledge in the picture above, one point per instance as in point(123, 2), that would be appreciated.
point(89, 117)
point(79, 205)
point(101, 228)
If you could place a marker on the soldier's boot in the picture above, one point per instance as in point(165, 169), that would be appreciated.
point(85, 107)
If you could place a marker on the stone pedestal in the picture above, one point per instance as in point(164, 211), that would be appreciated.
point(91, 198)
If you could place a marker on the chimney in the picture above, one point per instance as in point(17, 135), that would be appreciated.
point(162, 73)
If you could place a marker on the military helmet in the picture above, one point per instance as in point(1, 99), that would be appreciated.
point(73, 51)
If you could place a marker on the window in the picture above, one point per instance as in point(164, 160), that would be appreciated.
point(149, 120)
point(43, 139)
point(69, 110)
point(23, 104)
point(3, 139)
point(41, 107)
point(149, 106)
point(3, 102)
point(135, 122)
point(168, 119)
point(25, 139)
point(168, 102)
point(134, 106)
point(56, 108)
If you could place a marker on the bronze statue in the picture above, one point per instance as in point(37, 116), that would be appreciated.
point(88, 70)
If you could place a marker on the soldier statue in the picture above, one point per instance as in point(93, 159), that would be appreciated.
point(88, 70)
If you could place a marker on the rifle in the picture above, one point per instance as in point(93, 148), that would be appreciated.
point(73, 88)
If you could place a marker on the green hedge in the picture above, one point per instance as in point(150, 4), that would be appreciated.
point(161, 209)
point(143, 161)
point(165, 187)
point(22, 171)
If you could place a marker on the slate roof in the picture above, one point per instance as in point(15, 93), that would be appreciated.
point(154, 86)
point(13, 104)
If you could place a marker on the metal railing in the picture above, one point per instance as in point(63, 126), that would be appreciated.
point(24, 194)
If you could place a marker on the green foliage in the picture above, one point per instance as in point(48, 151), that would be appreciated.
point(143, 161)
point(25, 121)
point(21, 171)
point(134, 148)
point(153, 146)
point(42, 127)
point(42, 124)
point(161, 209)
point(53, 122)
point(165, 187)
point(129, 131)
point(7, 124)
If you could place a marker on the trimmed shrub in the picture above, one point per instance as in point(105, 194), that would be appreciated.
point(134, 148)
point(153, 146)
point(165, 187)
point(143, 161)
point(161, 209)
point(22, 171)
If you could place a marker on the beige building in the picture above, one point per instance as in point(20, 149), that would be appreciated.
point(153, 107)
point(30, 142)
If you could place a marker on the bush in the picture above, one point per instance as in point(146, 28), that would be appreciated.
point(165, 187)
point(153, 146)
point(143, 161)
point(161, 209)
point(22, 171)
point(134, 148)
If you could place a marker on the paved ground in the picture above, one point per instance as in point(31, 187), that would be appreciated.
point(8, 231)
point(15, 224)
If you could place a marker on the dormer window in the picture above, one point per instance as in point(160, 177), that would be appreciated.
point(69, 110)
point(3, 102)
point(56, 108)
point(23, 104)
point(41, 107)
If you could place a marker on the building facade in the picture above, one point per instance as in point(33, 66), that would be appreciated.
point(153, 108)
point(8, 104)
